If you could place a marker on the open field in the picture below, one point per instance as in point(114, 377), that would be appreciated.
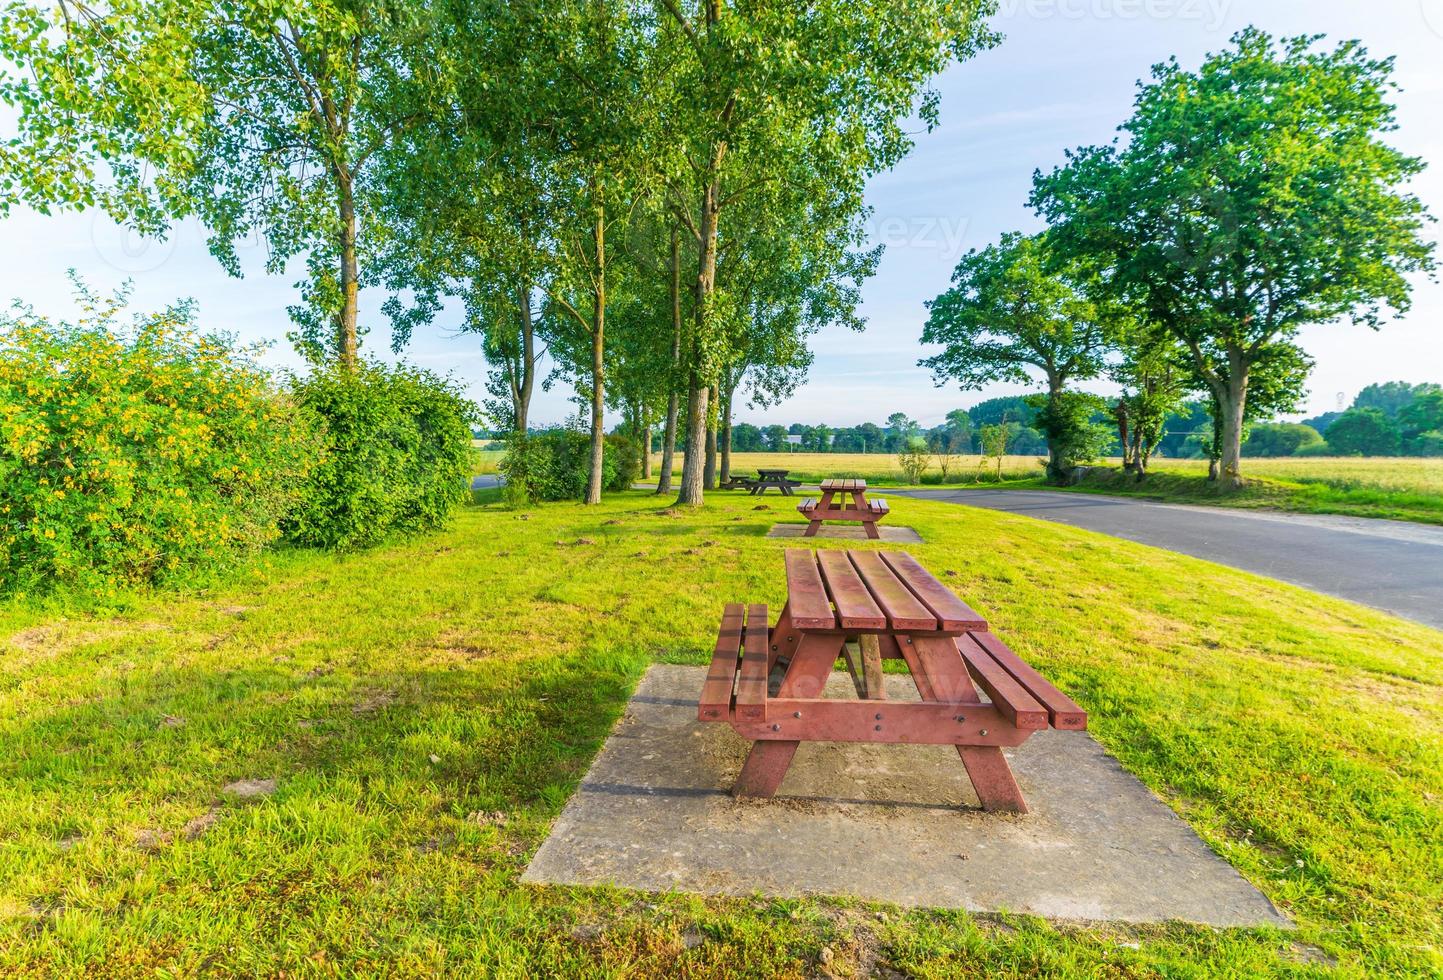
point(877, 468)
point(426, 709)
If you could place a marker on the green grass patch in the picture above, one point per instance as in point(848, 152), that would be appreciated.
point(1405, 493)
point(427, 708)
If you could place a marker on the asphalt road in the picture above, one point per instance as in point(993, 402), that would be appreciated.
point(1391, 565)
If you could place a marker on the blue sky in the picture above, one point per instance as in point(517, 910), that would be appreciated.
point(1063, 76)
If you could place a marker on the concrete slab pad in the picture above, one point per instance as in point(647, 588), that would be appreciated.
point(847, 532)
point(886, 823)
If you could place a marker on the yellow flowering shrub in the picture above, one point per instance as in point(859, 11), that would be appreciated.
point(140, 453)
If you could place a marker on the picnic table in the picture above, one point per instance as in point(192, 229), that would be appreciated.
point(866, 607)
point(772, 478)
point(869, 512)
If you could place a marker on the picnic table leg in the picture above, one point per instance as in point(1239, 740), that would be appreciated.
point(814, 523)
point(769, 759)
point(941, 676)
point(782, 641)
point(765, 768)
point(859, 503)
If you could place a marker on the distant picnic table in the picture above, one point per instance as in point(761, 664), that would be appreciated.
point(869, 512)
point(765, 478)
point(866, 607)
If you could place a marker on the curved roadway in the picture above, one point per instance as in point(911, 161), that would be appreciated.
point(1390, 565)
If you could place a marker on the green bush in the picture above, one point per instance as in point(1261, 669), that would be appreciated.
point(555, 464)
point(137, 455)
point(1066, 419)
point(398, 457)
point(622, 463)
point(914, 460)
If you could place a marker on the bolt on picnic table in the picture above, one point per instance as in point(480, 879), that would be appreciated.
point(861, 509)
point(866, 606)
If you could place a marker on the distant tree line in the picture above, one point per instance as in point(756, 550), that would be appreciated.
point(1391, 418)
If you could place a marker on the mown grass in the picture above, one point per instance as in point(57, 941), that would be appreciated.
point(427, 708)
point(1400, 489)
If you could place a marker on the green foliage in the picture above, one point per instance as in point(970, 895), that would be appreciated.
point(1282, 439)
point(137, 455)
point(914, 460)
point(1066, 419)
point(1250, 197)
point(1005, 408)
point(1006, 315)
point(555, 464)
point(621, 466)
point(256, 118)
point(1364, 432)
point(398, 460)
point(1392, 397)
point(1420, 423)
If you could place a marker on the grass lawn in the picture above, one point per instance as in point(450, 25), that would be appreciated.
point(427, 708)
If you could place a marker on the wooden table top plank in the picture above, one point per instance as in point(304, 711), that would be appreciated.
point(1063, 712)
point(716, 694)
point(904, 611)
point(752, 679)
point(843, 483)
point(806, 594)
point(951, 612)
point(856, 608)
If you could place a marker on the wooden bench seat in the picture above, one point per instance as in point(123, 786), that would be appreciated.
point(738, 664)
point(878, 505)
point(1010, 682)
point(808, 505)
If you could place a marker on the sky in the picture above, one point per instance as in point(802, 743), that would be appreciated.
point(1063, 76)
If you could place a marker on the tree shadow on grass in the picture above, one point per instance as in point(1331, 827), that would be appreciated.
point(507, 733)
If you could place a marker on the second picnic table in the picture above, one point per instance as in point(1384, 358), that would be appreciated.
point(828, 508)
point(772, 478)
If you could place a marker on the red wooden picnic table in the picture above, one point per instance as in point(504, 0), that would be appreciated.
point(869, 512)
point(867, 606)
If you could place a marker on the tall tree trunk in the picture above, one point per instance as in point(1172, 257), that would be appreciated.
point(346, 341)
point(726, 438)
point(668, 443)
point(524, 382)
point(709, 476)
point(598, 332)
point(1234, 396)
point(646, 423)
point(1057, 471)
point(698, 390)
point(691, 469)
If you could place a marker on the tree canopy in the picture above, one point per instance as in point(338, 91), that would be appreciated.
point(1252, 196)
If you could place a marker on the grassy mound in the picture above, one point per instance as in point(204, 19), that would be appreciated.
point(1323, 490)
point(426, 709)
